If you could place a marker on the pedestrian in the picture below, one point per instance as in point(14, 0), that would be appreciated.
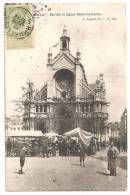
point(22, 158)
point(119, 145)
point(82, 153)
point(68, 148)
point(8, 147)
point(112, 159)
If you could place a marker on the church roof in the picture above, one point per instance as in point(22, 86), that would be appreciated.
point(71, 58)
point(58, 56)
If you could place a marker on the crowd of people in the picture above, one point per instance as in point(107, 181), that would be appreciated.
point(48, 147)
point(34, 147)
point(64, 147)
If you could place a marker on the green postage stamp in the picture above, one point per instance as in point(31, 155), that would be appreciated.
point(19, 25)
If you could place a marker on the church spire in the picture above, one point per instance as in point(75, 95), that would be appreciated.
point(64, 40)
point(65, 31)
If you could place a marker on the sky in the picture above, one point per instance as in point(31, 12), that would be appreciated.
point(100, 36)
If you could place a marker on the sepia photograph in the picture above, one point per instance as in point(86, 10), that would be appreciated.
point(65, 97)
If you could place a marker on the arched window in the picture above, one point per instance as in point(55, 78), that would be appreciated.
point(45, 108)
point(64, 45)
point(37, 108)
point(40, 108)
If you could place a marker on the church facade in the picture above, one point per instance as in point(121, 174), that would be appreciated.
point(67, 100)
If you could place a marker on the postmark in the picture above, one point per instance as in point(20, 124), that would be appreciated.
point(18, 22)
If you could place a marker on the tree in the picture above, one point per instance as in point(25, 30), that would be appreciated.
point(26, 104)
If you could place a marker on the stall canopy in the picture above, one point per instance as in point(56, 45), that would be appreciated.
point(84, 136)
point(51, 135)
point(24, 133)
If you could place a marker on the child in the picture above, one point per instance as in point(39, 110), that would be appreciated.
point(82, 155)
point(22, 158)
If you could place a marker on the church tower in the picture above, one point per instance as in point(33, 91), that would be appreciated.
point(64, 41)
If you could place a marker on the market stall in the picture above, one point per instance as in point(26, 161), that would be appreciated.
point(53, 142)
point(87, 138)
point(30, 139)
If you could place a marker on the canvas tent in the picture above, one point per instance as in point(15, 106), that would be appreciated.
point(84, 136)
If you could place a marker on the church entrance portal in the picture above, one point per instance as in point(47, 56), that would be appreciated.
point(64, 119)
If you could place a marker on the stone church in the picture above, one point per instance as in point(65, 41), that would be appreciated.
point(67, 100)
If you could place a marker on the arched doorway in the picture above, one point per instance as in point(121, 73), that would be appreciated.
point(40, 124)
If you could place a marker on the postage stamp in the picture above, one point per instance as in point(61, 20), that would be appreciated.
point(19, 25)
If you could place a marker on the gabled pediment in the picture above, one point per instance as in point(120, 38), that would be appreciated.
point(63, 61)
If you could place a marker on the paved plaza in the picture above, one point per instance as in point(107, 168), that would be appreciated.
point(64, 174)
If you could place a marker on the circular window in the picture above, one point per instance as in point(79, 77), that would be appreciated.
point(64, 80)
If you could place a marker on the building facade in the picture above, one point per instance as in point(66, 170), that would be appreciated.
point(67, 100)
point(14, 123)
point(114, 129)
point(124, 122)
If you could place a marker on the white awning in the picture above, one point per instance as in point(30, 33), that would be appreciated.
point(23, 133)
point(77, 131)
point(84, 136)
point(51, 135)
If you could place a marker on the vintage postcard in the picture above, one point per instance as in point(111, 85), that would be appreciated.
point(65, 94)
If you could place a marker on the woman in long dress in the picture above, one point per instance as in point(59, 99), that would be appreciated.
point(112, 159)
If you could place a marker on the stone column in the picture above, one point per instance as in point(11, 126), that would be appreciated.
point(85, 108)
point(89, 107)
point(99, 107)
point(78, 78)
point(48, 108)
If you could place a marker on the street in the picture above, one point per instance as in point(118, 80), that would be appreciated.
point(64, 174)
